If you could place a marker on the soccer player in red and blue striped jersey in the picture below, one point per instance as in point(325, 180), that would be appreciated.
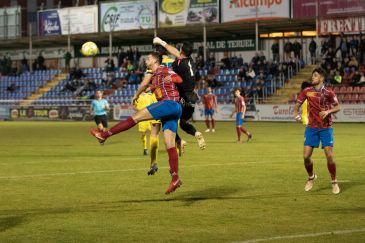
point(322, 102)
point(240, 110)
point(167, 109)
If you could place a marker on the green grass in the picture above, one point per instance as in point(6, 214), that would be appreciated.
point(58, 185)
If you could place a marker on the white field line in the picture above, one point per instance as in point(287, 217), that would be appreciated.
point(139, 169)
point(283, 237)
point(112, 171)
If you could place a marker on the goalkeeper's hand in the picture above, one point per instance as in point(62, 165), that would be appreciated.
point(158, 41)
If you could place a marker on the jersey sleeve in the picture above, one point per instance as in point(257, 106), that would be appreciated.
point(302, 97)
point(333, 98)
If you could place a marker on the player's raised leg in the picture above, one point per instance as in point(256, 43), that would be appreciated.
point(142, 115)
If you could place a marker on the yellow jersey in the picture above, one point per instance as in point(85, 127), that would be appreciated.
point(305, 113)
point(144, 100)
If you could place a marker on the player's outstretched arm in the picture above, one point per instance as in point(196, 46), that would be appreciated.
point(171, 49)
point(142, 87)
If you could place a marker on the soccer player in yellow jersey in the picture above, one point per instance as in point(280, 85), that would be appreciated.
point(144, 100)
point(304, 107)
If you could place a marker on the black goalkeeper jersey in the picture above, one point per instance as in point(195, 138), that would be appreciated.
point(185, 68)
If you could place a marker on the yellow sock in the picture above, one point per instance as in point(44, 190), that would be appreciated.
point(144, 141)
point(154, 144)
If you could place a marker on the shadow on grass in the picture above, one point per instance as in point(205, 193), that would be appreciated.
point(10, 222)
point(344, 186)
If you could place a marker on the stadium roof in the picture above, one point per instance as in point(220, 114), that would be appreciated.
point(214, 31)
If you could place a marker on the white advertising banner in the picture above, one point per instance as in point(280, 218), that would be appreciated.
point(350, 113)
point(283, 112)
point(127, 15)
point(346, 25)
point(239, 10)
point(79, 20)
point(48, 53)
point(121, 112)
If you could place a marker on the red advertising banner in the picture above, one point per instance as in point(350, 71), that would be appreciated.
point(331, 8)
point(345, 25)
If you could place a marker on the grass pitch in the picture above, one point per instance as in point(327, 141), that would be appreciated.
point(57, 184)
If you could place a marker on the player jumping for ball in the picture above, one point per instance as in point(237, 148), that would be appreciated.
point(167, 109)
point(322, 102)
point(185, 67)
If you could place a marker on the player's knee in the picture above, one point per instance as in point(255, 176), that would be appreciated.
point(307, 158)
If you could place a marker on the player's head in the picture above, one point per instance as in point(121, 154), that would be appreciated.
point(98, 94)
point(305, 84)
point(237, 92)
point(186, 49)
point(161, 50)
point(153, 59)
point(318, 76)
point(209, 90)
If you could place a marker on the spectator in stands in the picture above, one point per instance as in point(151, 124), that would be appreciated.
point(241, 76)
point(297, 48)
point(130, 66)
point(343, 47)
point(250, 74)
point(325, 45)
point(288, 48)
point(210, 61)
point(142, 64)
point(130, 54)
point(35, 65)
point(240, 60)
point(199, 62)
point(226, 61)
point(213, 82)
point(201, 51)
point(40, 61)
point(67, 58)
point(354, 46)
point(120, 56)
point(356, 78)
point(353, 63)
point(255, 59)
point(234, 61)
point(12, 87)
point(312, 50)
point(275, 51)
point(24, 63)
point(136, 56)
point(133, 78)
point(362, 50)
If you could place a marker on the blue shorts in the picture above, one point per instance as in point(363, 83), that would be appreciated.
point(208, 112)
point(313, 136)
point(168, 111)
point(239, 120)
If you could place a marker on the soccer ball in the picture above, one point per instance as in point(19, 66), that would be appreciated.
point(89, 49)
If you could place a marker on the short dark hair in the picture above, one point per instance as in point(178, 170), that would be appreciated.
point(157, 56)
point(186, 48)
point(320, 71)
point(161, 50)
point(305, 84)
point(235, 89)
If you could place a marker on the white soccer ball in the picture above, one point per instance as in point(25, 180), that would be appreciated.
point(89, 49)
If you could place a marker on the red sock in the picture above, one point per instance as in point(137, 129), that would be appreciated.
point(332, 169)
point(174, 162)
point(244, 130)
point(213, 123)
point(207, 123)
point(120, 127)
point(309, 168)
point(238, 130)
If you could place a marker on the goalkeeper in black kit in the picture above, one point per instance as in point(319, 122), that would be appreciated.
point(185, 67)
